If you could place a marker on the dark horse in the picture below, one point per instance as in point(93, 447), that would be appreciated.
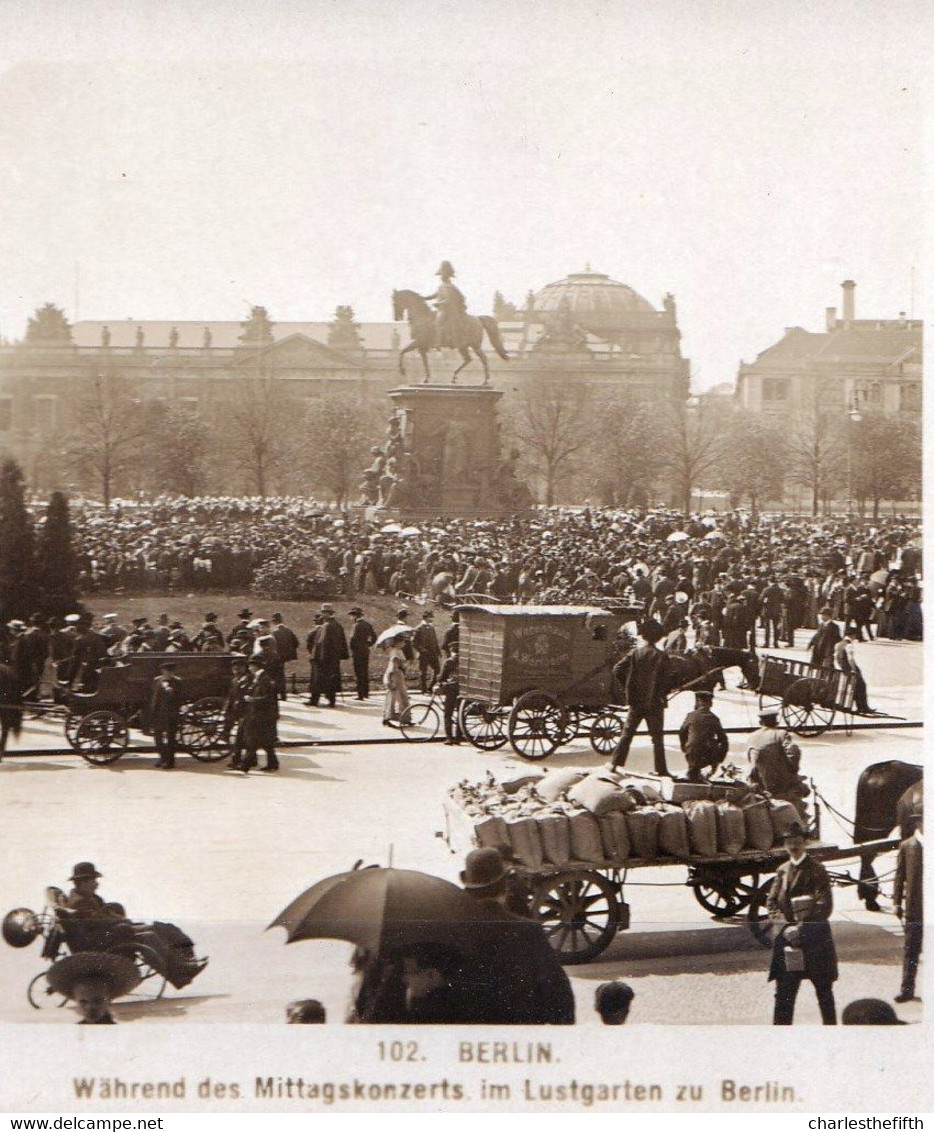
point(887, 794)
point(423, 326)
point(701, 668)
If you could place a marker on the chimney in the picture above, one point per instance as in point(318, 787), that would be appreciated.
point(831, 319)
point(902, 320)
point(849, 301)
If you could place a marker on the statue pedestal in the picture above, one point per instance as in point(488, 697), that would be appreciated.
point(451, 438)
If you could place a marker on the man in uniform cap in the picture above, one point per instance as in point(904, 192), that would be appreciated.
point(703, 740)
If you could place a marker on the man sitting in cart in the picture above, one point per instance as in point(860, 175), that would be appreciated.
point(703, 740)
point(776, 762)
point(102, 925)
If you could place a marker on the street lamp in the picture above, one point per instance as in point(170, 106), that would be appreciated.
point(854, 417)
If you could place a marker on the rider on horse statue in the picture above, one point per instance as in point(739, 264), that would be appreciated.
point(451, 306)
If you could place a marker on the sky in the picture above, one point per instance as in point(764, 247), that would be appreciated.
point(184, 160)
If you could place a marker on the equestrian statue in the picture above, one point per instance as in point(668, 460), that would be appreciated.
point(451, 327)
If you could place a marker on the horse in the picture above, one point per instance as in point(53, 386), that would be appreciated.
point(423, 326)
point(701, 668)
point(887, 794)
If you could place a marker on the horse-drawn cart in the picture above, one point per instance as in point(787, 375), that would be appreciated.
point(809, 698)
point(97, 723)
point(538, 675)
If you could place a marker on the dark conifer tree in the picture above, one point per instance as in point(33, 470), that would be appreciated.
point(57, 564)
point(18, 590)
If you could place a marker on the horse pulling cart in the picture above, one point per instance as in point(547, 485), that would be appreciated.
point(581, 904)
point(536, 676)
point(97, 723)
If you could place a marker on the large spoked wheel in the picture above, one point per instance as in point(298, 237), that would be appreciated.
point(573, 726)
point(756, 916)
point(483, 724)
point(423, 723)
point(101, 737)
point(537, 725)
point(606, 732)
point(152, 982)
point(724, 894)
point(41, 996)
point(72, 723)
point(802, 713)
point(579, 912)
point(201, 730)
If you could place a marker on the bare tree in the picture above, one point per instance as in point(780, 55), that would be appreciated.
point(816, 453)
point(177, 448)
point(690, 443)
point(753, 459)
point(623, 458)
point(340, 432)
point(108, 431)
point(886, 459)
point(263, 430)
point(554, 422)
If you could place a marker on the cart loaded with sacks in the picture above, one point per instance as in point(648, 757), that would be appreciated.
point(574, 836)
point(537, 676)
point(97, 723)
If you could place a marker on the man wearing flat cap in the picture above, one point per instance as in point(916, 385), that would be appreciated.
point(799, 903)
point(92, 980)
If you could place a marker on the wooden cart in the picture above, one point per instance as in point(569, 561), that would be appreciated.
point(537, 675)
point(807, 697)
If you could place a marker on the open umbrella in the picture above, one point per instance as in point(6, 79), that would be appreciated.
point(383, 910)
point(713, 535)
point(390, 529)
point(409, 532)
point(392, 632)
point(678, 536)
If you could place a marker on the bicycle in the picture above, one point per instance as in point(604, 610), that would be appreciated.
point(422, 722)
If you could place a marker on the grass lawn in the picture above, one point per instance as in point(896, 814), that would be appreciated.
point(190, 608)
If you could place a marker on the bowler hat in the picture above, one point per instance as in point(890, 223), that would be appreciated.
point(210, 616)
point(326, 608)
point(794, 830)
point(870, 1012)
point(244, 613)
point(402, 613)
point(612, 997)
point(482, 868)
point(83, 870)
point(355, 611)
point(117, 971)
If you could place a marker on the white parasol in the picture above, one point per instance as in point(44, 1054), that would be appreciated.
point(392, 632)
point(712, 535)
point(678, 536)
point(390, 529)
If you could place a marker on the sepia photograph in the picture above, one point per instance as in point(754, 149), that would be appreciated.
point(461, 556)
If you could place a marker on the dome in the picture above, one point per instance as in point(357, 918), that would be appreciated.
point(591, 293)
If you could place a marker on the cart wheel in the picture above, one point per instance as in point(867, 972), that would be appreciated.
point(101, 737)
point(201, 731)
point(573, 726)
point(152, 982)
point(579, 912)
point(424, 723)
point(72, 723)
point(483, 724)
point(605, 732)
point(537, 725)
point(757, 919)
point(801, 713)
point(723, 895)
point(41, 996)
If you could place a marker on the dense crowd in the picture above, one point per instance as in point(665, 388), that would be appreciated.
point(222, 544)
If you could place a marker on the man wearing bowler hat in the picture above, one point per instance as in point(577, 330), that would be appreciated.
point(330, 648)
point(644, 674)
point(799, 903)
point(362, 639)
point(703, 740)
point(164, 712)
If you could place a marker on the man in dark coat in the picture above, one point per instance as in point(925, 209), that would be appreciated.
point(735, 624)
point(34, 652)
point(823, 642)
point(240, 637)
point(450, 688)
point(800, 902)
point(164, 712)
point(90, 650)
point(287, 645)
point(259, 725)
point(362, 639)
point(314, 673)
point(702, 737)
point(772, 601)
point(425, 640)
point(452, 634)
point(11, 714)
point(330, 648)
point(644, 674)
point(209, 638)
point(235, 710)
point(521, 982)
point(909, 906)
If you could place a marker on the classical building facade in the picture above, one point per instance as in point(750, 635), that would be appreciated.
point(585, 330)
point(868, 365)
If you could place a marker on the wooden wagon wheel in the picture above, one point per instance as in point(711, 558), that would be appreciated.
point(40, 995)
point(72, 722)
point(579, 912)
point(537, 725)
point(483, 724)
point(722, 893)
point(606, 732)
point(802, 713)
point(756, 916)
point(201, 730)
point(573, 726)
point(101, 737)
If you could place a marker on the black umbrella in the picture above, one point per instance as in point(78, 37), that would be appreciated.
point(383, 910)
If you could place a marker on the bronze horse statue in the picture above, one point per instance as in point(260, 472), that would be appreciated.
point(423, 326)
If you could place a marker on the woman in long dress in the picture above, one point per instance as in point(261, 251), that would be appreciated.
point(396, 704)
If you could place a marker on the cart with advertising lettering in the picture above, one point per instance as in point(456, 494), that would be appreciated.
point(537, 676)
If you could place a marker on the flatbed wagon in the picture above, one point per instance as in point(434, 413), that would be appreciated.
point(536, 676)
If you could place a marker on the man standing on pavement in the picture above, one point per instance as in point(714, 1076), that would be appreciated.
point(451, 638)
point(259, 725)
point(330, 649)
point(702, 737)
point(909, 907)
point(844, 654)
point(772, 601)
point(800, 901)
point(314, 673)
point(164, 711)
point(286, 643)
point(426, 644)
point(362, 639)
point(824, 640)
point(450, 688)
point(644, 674)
